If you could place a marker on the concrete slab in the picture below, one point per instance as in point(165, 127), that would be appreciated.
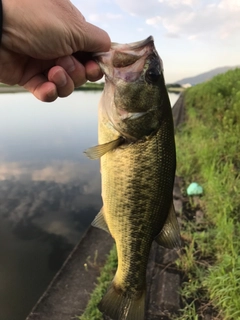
point(164, 282)
point(68, 293)
point(178, 111)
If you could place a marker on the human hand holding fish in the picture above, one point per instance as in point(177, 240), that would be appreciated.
point(39, 39)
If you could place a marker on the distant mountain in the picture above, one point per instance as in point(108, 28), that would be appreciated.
point(205, 76)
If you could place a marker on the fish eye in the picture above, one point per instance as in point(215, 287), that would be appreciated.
point(152, 75)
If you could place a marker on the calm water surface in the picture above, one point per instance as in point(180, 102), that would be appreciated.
point(49, 191)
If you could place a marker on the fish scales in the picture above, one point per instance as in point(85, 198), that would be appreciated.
point(138, 160)
point(133, 200)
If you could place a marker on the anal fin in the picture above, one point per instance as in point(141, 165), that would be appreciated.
point(99, 222)
point(99, 150)
point(169, 237)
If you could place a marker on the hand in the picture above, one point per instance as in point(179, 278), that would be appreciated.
point(38, 42)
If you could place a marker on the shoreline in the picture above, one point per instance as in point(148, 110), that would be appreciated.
point(17, 89)
point(12, 89)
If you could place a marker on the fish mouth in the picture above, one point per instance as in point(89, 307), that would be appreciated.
point(130, 46)
point(134, 45)
point(127, 62)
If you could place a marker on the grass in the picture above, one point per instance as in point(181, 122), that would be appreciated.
point(175, 90)
point(91, 86)
point(208, 151)
point(88, 86)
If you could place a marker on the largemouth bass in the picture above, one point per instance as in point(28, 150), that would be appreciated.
point(137, 151)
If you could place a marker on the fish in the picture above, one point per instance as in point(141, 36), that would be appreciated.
point(138, 161)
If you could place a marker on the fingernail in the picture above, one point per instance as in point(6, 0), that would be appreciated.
point(60, 78)
point(51, 95)
point(95, 75)
point(67, 63)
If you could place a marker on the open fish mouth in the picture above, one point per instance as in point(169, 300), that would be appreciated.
point(135, 45)
point(131, 46)
point(127, 61)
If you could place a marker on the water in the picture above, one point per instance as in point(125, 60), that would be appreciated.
point(49, 191)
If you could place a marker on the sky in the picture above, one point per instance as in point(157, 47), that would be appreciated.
point(191, 36)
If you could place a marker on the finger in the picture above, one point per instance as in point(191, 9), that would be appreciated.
point(94, 39)
point(62, 80)
point(74, 69)
point(93, 72)
point(41, 88)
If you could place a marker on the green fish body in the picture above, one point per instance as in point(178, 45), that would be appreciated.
point(137, 151)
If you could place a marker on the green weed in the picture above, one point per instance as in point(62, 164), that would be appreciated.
point(208, 151)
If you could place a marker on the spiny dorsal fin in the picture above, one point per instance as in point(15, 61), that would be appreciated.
point(99, 150)
point(169, 237)
point(99, 221)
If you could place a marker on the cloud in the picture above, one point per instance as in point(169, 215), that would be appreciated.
point(106, 17)
point(199, 19)
point(231, 5)
point(154, 21)
point(172, 35)
point(134, 8)
point(178, 3)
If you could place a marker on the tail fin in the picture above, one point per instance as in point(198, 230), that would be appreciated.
point(123, 306)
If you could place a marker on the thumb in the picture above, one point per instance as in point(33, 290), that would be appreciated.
point(93, 39)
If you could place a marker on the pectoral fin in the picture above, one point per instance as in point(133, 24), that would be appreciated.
point(169, 237)
point(99, 150)
point(99, 222)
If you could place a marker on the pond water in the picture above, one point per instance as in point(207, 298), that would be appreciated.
point(49, 191)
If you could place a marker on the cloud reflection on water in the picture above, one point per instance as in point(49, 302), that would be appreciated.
point(61, 198)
